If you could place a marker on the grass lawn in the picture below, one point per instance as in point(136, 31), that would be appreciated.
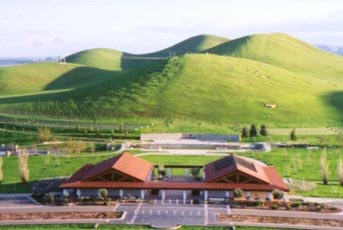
point(9, 137)
point(124, 227)
point(298, 164)
point(43, 166)
point(228, 87)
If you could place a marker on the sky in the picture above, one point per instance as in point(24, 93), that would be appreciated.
point(60, 27)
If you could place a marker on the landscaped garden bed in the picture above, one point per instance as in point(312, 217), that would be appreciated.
point(60, 215)
point(281, 219)
point(285, 205)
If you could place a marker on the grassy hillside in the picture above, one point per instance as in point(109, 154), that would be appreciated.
point(196, 44)
point(222, 89)
point(109, 59)
point(284, 51)
point(100, 58)
point(33, 78)
point(232, 87)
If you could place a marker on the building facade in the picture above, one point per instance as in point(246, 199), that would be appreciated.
point(126, 176)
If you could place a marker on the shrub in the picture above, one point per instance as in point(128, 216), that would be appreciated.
point(65, 200)
point(324, 167)
point(293, 135)
point(245, 133)
point(103, 193)
point(50, 198)
point(295, 205)
point(277, 194)
point(45, 134)
point(237, 193)
point(107, 201)
point(263, 130)
point(257, 203)
point(339, 170)
point(275, 207)
point(24, 166)
point(253, 131)
point(1, 173)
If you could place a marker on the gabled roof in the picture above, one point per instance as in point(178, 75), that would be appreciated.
point(126, 164)
point(250, 168)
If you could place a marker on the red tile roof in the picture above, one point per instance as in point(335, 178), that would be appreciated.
point(249, 167)
point(224, 166)
point(140, 169)
point(275, 178)
point(124, 163)
point(170, 185)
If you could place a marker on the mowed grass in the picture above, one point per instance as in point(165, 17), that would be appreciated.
point(35, 78)
point(43, 167)
point(284, 51)
point(107, 59)
point(196, 44)
point(229, 88)
point(298, 164)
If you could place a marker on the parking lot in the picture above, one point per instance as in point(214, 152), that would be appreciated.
point(16, 202)
point(170, 215)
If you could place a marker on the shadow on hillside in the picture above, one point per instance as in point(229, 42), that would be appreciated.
point(335, 99)
point(131, 61)
point(80, 77)
point(90, 83)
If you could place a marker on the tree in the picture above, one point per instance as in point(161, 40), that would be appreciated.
point(50, 198)
point(195, 172)
point(253, 131)
point(237, 193)
point(340, 170)
point(1, 173)
point(263, 130)
point(24, 166)
point(293, 135)
point(245, 133)
point(161, 170)
point(103, 193)
point(277, 194)
point(45, 134)
point(324, 167)
point(80, 147)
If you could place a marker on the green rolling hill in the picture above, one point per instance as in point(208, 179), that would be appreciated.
point(38, 77)
point(196, 44)
point(226, 84)
point(110, 59)
point(284, 51)
point(107, 59)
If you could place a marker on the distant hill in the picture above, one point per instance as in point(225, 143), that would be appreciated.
point(280, 50)
point(196, 44)
point(100, 58)
point(31, 78)
point(229, 83)
point(110, 59)
point(333, 49)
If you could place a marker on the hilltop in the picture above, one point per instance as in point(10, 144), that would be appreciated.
point(229, 83)
point(110, 59)
point(283, 51)
point(107, 59)
point(196, 44)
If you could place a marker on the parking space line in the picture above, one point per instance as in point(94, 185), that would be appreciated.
point(206, 214)
point(115, 207)
point(135, 213)
point(33, 200)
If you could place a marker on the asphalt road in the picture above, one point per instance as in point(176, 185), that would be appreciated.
point(159, 214)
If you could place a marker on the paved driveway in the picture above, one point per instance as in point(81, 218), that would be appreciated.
point(169, 215)
point(17, 202)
